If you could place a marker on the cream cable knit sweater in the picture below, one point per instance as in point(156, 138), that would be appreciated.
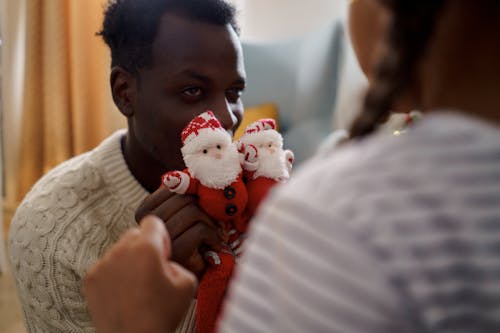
point(66, 222)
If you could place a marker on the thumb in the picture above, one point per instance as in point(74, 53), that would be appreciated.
point(154, 230)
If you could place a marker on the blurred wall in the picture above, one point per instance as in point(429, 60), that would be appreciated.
point(282, 19)
point(268, 20)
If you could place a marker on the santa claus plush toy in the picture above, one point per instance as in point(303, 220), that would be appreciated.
point(266, 163)
point(214, 175)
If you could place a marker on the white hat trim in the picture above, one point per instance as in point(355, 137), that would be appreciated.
point(263, 137)
point(205, 138)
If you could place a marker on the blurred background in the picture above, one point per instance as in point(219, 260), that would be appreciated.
point(56, 103)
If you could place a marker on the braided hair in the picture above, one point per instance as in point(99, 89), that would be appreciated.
point(407, 38)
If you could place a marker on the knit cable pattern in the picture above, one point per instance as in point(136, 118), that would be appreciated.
point(66, 222)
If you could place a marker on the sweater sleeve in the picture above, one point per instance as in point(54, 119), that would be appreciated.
point(39, 268)
point(51, 245)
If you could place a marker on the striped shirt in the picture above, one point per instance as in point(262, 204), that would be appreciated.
point(390, 234)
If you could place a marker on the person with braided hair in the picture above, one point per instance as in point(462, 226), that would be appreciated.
point(387, 234)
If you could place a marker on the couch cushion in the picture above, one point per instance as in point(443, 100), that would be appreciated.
point(300, 76)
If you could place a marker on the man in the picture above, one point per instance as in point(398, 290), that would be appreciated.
point(171, 60)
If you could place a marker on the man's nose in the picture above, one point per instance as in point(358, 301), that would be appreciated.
point(222, 110)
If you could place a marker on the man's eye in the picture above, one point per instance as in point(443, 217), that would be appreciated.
point(234, 94)
point(192, 92)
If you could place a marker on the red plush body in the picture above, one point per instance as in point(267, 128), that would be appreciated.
point(222, 205)
point(212, 289)
point(257, 190)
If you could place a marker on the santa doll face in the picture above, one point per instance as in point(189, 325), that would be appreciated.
point(272, 160)
point(270, 147)
point(215, 165)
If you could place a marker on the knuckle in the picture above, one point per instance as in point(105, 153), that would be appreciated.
point(130, 234)
point(197, 265)
point(202, 230)
point(146, 248)
point(190, 284)
point(89, 279)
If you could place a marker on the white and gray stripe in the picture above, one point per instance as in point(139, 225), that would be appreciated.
point(393, 234)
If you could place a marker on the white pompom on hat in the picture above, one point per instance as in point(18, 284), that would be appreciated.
point(203, 131)
point(261, 125)
point(261, 132)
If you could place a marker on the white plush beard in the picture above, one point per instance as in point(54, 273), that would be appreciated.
point(215, 173)
point(272, 165)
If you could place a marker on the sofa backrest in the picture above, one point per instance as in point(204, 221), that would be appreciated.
point(301, 77)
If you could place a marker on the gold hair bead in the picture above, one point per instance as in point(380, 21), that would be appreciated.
point(410, 120)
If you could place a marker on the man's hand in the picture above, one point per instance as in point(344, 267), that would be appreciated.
point(134, 288)
point(189, 227)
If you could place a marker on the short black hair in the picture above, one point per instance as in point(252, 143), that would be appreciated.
point(130, 26)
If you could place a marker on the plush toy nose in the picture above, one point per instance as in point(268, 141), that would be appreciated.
point(217, 156)
point(271, 150)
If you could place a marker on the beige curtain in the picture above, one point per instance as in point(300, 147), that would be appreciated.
point(66, 103)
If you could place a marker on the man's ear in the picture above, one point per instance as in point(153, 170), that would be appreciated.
point(124, 90)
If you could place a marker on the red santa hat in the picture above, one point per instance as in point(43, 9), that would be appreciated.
point(262, 131)
point(203, 131)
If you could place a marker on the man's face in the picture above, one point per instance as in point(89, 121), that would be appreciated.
point(196, 67)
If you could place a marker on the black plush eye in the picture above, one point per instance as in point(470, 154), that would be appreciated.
point(205, 151)
point(270, 145)
point(218, 146)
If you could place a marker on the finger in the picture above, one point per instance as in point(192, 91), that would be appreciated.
point(183, 278)
point(154, 231)
point(172, 205)
point(188, 256)
point(186, 218)
point(89, 280)
point(129, 234)
point(188, 247)
point(207, 237)
point(151, 202)
point(193, 239)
